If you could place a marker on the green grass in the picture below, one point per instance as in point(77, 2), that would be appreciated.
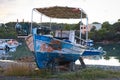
point(21, 51)
point(91, 74)
point(84, 74)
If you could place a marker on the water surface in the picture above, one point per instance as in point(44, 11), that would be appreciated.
point(111, 62)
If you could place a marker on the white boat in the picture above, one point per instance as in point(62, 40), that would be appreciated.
point(12, 43)
point(8, 45)
point(2, 45)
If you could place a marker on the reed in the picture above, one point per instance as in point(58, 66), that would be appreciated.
point(26, 70)
point(19, 70)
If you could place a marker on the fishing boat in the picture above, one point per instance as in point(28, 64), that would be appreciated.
point(51, 51)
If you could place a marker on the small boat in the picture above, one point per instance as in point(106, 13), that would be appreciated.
point(91, 51)
point(51, 51)
point(8, 45)
point(55, 51)
point(2, 45)
point(12, 43)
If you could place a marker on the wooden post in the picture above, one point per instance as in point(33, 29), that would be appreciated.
point(82, 62)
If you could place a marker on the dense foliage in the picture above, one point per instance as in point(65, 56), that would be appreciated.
point(7, 31)
point(108, 32)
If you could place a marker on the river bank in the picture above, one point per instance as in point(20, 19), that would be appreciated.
point(7, 63)
point(89, 71)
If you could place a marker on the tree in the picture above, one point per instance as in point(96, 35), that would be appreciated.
point(77, 26)
point(93, 28)
point(118, 20)
point(7, 32)
point(116, 27)
point(106, 25)
point(95, 23)
point(67, 27)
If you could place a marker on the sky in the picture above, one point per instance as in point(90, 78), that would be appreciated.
point(97, 10)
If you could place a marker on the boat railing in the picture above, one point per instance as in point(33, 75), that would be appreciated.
point(82, 41)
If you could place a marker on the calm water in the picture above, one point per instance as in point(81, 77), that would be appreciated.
point(111, 62)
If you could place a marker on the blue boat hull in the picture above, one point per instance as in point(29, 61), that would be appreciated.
point(49, 50)
point(44, 59)
point(91, 53)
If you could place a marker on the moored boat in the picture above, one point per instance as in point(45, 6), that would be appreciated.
point(91, 51)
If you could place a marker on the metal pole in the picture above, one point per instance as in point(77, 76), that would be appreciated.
point(41, 19)
point(86, 28)
point(31, 21)
point(50, 22)
point(80, 25)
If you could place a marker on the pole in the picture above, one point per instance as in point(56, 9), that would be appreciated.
point(41, 20)
point(31, 22)
point(50, 23)
point(86, 28)
point(80, 25)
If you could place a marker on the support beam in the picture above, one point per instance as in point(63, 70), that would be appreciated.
point(82, 62)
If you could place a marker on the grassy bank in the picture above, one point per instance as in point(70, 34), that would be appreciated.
point(91, 74)
point(84, 74)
